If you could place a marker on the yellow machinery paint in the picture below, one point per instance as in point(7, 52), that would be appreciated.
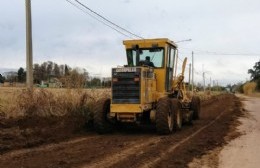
point(152, 89)
point(147, 88)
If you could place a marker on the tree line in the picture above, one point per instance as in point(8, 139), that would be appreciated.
point(47, 71)
point(255, 74)
point(79, 77)
point(253, 83)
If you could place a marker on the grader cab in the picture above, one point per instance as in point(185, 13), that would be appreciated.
point(148, 89)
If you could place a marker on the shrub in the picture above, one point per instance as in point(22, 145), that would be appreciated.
point(258, 84)
point(249, 88)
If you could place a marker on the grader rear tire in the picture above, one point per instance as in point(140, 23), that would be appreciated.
point(190, 119)
point(101, 110)
point(164, 116)
point(195, 106)
point(177, 115)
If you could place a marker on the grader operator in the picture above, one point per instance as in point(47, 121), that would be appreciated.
point(148, 89)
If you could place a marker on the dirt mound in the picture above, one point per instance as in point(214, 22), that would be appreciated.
point(46, 118)
point(32, 131)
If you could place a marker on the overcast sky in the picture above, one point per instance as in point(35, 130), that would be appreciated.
point(66, 35)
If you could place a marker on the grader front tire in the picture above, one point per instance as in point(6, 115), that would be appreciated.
point(101, 110)
point(164, 116)
point(195, 106)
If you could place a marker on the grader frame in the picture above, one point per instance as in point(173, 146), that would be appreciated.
point(148, 94)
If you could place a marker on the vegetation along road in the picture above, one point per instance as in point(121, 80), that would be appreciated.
point(139, 146)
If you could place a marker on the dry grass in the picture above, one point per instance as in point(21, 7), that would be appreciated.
point(48, 102)
point(8, 97)
point(45, 115)
point(249, 88)
point(19, 102)
point(208, 94)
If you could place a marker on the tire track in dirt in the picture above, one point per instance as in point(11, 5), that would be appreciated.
point(211, 115)
point(130, 150)
point(172, 148)
point(139, 149)
point(48, 147)
point(73, 153)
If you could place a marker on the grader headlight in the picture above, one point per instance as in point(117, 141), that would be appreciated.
point(115, 79)
point(136, 79)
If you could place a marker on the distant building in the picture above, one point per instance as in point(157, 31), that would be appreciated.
point(55, 83)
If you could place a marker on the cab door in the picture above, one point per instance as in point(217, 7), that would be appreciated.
point(171, 52)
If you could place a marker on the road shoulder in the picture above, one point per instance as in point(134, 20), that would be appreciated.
point(243, 145)
point(245, 150)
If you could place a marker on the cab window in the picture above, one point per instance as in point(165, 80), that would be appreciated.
point(156, 56)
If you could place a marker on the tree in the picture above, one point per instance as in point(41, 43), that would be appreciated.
point(37, 73)
point(75, 78)
point(72, 78)
point(56, 70)
point(199, 87)
point(62, 67)
point(95, 82)
point(44, 74)
point(21, 75)
point(66, 70)
point(49, 69)
point(255, 74)
point(106, 82)
point(2, 78)
point(11, 76)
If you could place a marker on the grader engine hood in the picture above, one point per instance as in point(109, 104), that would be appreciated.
point(126, 85)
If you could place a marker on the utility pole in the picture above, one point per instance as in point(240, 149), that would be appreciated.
point(29, 52)
point(203, 75)
point(210, 85)
point(189, 72)
point(192, 86)
point(176, 62)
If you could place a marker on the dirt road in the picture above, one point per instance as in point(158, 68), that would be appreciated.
point(245, 150)
point(137, 147)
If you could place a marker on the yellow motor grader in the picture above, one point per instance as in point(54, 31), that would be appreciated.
point(148, 89)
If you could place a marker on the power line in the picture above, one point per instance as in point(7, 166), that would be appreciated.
point(204, 52)
point(108, 20)
point(104, 18)
point(115, 26)
point(215, 53)
point(180, 59)
point(180, 41)
point(94, 17)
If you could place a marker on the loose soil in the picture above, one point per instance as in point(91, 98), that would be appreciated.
point(129, 147)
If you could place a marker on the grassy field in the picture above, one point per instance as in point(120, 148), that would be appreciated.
point(207, 95)
point(15, 102)
point(45, 115)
